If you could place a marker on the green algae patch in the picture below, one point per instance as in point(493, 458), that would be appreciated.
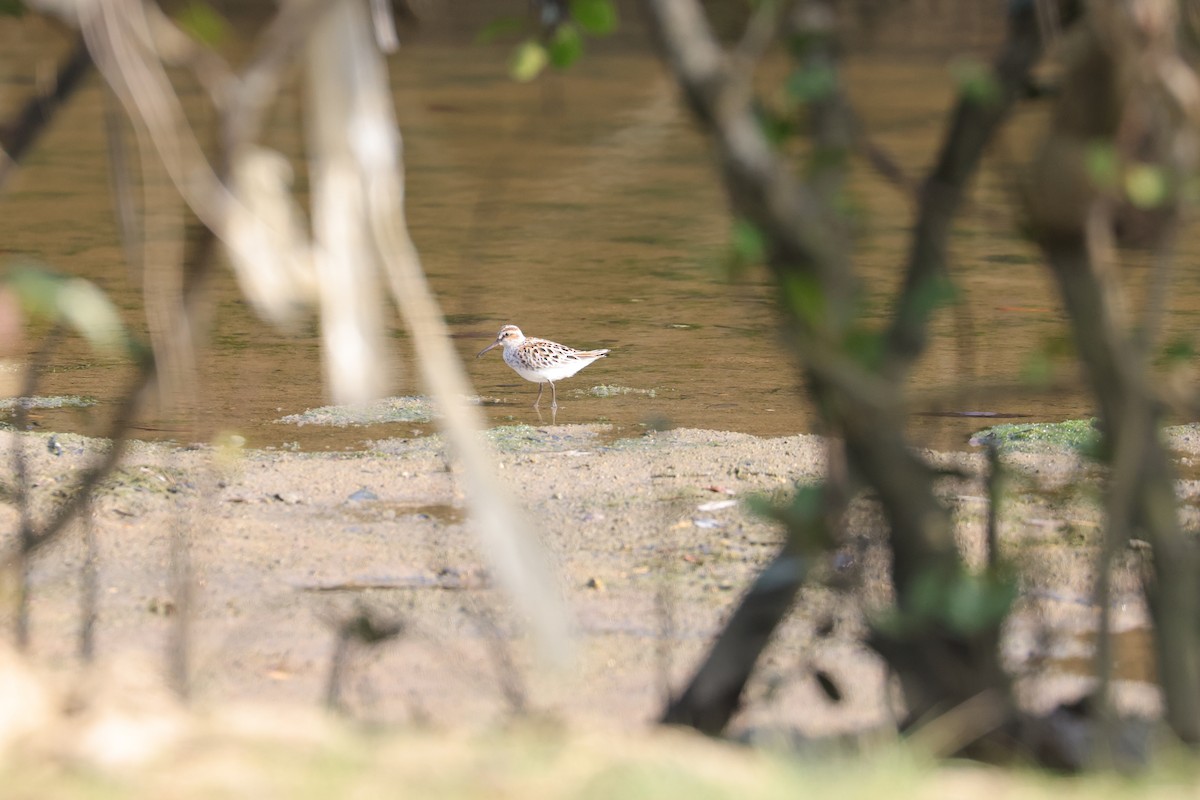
point(389, 409)
point(528, 438)
point(50, 402)
point(504, 439)
point(146, 480)
point(604, 390)
point(1079, 435)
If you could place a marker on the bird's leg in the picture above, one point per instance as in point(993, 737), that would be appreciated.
point(553, 397)
point(539, 397)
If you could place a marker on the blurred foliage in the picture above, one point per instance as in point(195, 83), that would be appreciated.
point(528, 60)
point(1180, 349)
point(1102, 166)
point(777, 126)
point(555, 40)
point(500, 28)
point(597, 17)
point(11, 8)
point(811, 84)
point(976, 82)
point(747, 247)
point(203, 22)
point(75, 303)
point(867, 347)
point(565, 45)
point(803, 517)
point(804, 296)
point(1146, 185)
point(1041, 363)
point(963, 603)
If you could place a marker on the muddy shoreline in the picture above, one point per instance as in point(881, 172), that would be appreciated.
point(650, 554)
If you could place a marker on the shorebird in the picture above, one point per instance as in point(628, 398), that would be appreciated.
point(540, 360)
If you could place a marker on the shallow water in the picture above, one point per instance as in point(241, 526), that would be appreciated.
point(585, 209)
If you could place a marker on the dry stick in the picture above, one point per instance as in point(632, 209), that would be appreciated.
point(89, 590)
point(993, 512)
point(337, 670)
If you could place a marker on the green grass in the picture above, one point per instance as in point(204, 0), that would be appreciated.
point(543, 761)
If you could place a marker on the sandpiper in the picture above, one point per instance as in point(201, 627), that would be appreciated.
point(540, 360)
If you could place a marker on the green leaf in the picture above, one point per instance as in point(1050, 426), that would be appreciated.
point(776, 127)
point(811, 84)
point(804, 517)
point(805, 298)
point(1101, 161)
point(500, 28)
point(203, 23)
point(566, 46)
point(749, 246)
point(597, 17)
point(977, 603)
point(1146, 186)
point(1038, 369)
point(74, 302)
point(866, 347)
point(528, 61)
point(12, 8)
point(1181, 348)
point(976, 83)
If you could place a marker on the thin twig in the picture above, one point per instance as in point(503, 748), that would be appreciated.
point(121, 183)
point(994, 490)
point(27, 536)
point(89, 589)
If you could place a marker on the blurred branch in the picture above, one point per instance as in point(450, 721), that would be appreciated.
point(27, 534)
point(359, 235)
point(761, 186)
point(806, 242)
point(18, 136)
point(714, 693)
point(1126, 85)
point(247, 99)
point(363, 628)
point(121, 183)
point(370, 178)
point(973, 125)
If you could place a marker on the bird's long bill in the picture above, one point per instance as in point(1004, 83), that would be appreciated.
point(489, 347)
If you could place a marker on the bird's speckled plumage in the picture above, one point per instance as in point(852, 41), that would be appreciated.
point(541, 360)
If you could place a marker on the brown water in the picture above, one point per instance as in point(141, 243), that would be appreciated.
point(585, 209)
